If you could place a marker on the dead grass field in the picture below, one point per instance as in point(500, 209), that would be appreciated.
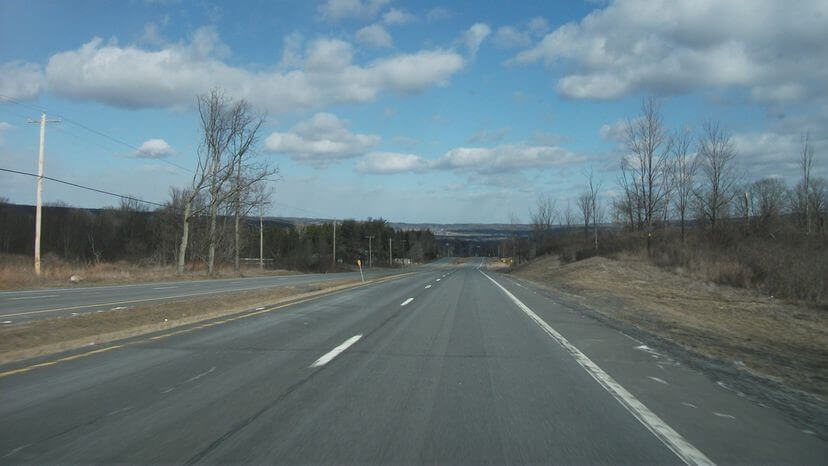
point(36, 338)
point(17, 272)
point(780, 341)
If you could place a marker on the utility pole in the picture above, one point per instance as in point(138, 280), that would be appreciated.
point(334, 244)
point(370, 262)
point(38, 211)
point(402, 254)
point(261, 238)
point(390, 253)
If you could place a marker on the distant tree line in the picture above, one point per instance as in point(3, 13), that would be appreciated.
point(138, 235)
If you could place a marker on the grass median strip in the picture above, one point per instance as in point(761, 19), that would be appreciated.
point(44, 337)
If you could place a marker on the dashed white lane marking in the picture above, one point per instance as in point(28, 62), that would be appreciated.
point(191, 379)
point(6, 322)
point(117, 308)
point(438, 279)
point(427, 286)
point(726, 416)
point(35, 297)
point(647, 349)
point(164, 287)
point(658, 380)
point(689, 405)
point(406, 302)
point(669, 437)
point(259, 308)
point(16, 450)
point(118, 411)
point(327, 357)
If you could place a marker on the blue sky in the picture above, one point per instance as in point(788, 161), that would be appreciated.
point(412, 111)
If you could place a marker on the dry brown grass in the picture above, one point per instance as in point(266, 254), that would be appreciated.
point(49, 336)
point(777, 340)
point(17, 272)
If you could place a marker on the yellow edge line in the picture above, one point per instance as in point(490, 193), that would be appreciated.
point(190, 329)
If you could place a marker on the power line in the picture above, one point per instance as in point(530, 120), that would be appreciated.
point(123, 143)
point(122, 196)
point(93, 131)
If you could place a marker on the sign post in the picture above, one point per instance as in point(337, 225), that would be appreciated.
point(359, 263)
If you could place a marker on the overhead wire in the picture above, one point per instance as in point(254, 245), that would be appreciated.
point(121, 196)
point(92, 130)
point(117, 141)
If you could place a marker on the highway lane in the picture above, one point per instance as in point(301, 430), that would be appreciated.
point(414, 370)
point(20, 306)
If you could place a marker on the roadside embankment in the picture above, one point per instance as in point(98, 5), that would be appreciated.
point(772, 351)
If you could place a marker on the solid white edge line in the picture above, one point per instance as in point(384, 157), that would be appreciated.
point(405, 303)
point(326, 358)
point(669, 437)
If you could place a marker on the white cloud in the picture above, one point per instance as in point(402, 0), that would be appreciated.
point(3, 128)
point(151, 34)
point(509, 37)
point(323, 73)
point(505, 158)
point(20, 80)
point(761, 154)
point(438, 13)
point(321, 140)
point(154, 149)
point(538, 25)
point(337, 10)
point(488, 136)
point(374, 36)
point(396, 16)
point(520, 36)
point(778, 51)
point(475, 36)
point(386, 163)
point(613, 132)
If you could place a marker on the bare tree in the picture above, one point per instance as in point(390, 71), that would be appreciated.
point(514, 221)
point(767, 201)
point(543, 217)
point(819, 202)
point(683, 175)
point(568, 216)
point(585, 206)
point(645, 169)
point(806, 162)
point(228, 132)
point(246, 124)
point(596, 211)
point(716, 154)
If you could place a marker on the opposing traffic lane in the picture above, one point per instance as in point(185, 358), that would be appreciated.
point(19, 306)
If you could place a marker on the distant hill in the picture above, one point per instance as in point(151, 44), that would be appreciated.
point(470, 231)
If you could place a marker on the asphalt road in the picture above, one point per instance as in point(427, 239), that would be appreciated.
point(442, 366)
point(20, 306)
